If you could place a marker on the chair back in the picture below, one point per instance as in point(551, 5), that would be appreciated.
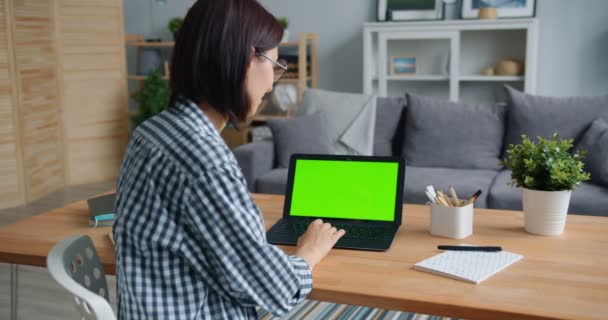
point(74, 264)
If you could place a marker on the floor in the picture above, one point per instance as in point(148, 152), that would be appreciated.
point(39, 296)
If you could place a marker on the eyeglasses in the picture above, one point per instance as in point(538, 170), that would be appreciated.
point(280, 66)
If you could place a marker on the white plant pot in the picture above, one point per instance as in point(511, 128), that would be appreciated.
point(545, 212)
point(285, 36)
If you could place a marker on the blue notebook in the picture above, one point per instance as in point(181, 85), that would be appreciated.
point(102, 220)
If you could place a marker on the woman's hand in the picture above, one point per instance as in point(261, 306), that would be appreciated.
point(316, 242)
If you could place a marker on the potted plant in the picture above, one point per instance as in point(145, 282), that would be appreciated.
point(174, 25)
point(152, 98)
point(284, 23)
point(547, 174)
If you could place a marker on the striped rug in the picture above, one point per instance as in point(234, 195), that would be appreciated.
point(317, 310)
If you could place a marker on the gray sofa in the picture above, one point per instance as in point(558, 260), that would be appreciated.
point(460, 145)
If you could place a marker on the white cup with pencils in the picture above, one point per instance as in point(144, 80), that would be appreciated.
point(451, 217)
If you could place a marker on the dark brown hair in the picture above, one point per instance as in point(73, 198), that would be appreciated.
point(212, 52)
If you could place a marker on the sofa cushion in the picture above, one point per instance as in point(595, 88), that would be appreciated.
point(588, 198)
point(273, 182)
point(306, 134)
point(349, 119)
point(542, 116)
point(255, 159)
point(465, 181)
point(440, 133)
point(503, 196)
point(595, 141)
point(389, 112)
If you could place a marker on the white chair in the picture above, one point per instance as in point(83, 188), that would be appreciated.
point(74, 264)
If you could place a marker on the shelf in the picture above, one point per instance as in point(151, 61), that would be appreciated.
point(417, 77)
point(136, 77)
point(481, 78)
point(449, 57)
point(303, 52)
point(289, 44)
point(293, 80)
point(458, 24)
point(172, 43)
point(264, 117)
point(151, 44)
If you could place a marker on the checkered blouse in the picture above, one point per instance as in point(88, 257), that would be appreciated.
point(190, 242)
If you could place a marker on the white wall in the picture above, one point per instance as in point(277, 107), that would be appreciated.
point(573, 48)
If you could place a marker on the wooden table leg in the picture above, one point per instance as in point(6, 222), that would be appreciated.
point(14, 292)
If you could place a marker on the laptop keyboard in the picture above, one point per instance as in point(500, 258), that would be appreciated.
point(353, 231)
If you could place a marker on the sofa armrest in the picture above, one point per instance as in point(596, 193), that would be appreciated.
point(255, 158)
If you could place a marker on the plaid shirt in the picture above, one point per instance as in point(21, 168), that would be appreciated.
point(190, 241)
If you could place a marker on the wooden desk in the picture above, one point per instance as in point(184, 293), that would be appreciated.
point(563, 277)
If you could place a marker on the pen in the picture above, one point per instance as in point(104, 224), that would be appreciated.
point(431, 190)
point(470, 248)
point(430, 197)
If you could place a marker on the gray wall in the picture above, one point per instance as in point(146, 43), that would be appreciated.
point(573, 48)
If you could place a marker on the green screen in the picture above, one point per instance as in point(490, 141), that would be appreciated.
point(344, 189)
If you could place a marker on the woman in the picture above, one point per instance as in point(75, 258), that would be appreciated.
point(190, 242)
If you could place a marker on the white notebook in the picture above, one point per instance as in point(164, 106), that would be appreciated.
point(470, 266)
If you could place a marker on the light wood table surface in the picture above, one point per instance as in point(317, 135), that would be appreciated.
point(562, 277)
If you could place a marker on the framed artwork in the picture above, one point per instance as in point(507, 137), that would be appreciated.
point(402, 65)
point(403, 10)
point(504, 8)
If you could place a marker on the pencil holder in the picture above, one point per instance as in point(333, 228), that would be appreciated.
point(451, 222)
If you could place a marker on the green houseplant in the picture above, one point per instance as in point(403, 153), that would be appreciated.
point(174, 25)
point(152, 98)
point(547, 173)
point(285, 24)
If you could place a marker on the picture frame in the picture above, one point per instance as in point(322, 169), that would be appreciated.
point(504, 8)
point(402, 65)
point(404, 10)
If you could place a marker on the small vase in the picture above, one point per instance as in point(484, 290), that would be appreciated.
point(452, 9)
point(488, 13)
point(545, 212)
point(285, 36)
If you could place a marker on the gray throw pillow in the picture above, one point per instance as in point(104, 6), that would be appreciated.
point(389, 114)
point(305, 134)
point(440, 133)
point(595, 141)
point(350, 119)
point(542, 116)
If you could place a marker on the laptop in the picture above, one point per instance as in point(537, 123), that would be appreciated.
point(361, 194)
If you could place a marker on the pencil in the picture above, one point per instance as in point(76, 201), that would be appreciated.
point(474, 197)
point(455, 199)
point(444, 198)
point(442, 202)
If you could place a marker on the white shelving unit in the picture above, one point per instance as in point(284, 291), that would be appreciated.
point(449, 57)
